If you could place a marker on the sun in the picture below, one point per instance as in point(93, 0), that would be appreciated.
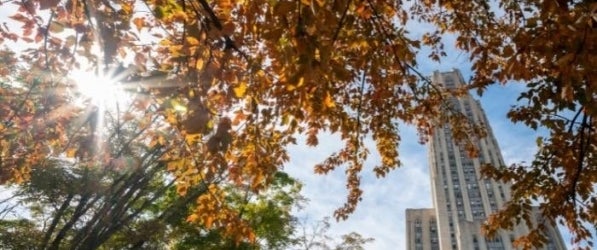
point(101, 95)
point(103, 90)
point(100, 90)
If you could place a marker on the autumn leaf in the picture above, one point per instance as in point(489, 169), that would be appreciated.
point(56, 27)
point(291, 87)
point(329, 101)
point(199, 64)
point(240, 90)
point(70, 153)
point(208, 221)
point(139, 23)
point(192, 41)
point(193, 218)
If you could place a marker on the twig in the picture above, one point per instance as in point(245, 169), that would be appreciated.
point(340, 24)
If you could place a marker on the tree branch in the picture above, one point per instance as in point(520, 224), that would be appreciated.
point(56, 219)
point(341, 23)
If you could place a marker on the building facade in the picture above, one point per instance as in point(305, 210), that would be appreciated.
point(462, 198)
point(421, 231)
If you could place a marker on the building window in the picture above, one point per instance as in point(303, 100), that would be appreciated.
point(494, 243)
point(501, 192)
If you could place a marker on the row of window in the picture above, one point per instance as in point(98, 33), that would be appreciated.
point(432, 234)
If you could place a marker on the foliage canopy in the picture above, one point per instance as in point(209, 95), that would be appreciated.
point(221, 87)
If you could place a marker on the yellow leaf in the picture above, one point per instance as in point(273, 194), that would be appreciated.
point(291, 87)
point(192, 41)
point(301, 81)
point(165, 42)
point(127, 8)
point(192, 138)
point(199, 64)
point(178, 106)
point(192, 218)
point(240, 90)
point(171, 118)
point(328, 101)
point(71, 153)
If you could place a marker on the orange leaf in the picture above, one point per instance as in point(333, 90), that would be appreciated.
point(139, 22)
point(192, 218)
point(328, 101)
point(70, 153)
point(208, 221)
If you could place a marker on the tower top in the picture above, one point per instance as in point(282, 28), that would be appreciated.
point(448, 79)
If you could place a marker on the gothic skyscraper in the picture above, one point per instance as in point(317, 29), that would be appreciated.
point(462, 199)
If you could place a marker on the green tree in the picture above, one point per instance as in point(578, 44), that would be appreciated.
point(19, 234)
point(56, 215)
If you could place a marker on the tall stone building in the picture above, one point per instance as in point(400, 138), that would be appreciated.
point(462, 199)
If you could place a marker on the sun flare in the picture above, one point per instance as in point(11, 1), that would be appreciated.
point(101, 95)
point(101, 90)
